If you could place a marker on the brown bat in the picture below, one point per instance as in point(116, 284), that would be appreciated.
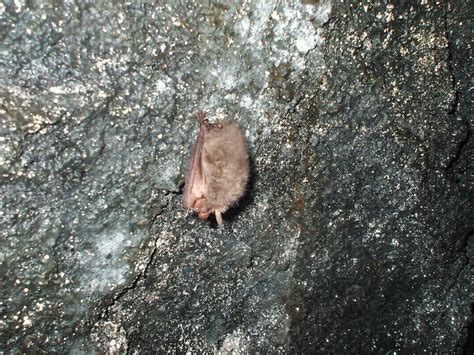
point(218, 169)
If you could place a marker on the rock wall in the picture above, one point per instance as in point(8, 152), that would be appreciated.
point(355, 236)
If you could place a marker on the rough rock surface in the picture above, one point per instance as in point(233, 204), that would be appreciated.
point(356, 235)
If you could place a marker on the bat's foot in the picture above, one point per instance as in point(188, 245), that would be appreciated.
point(201, 117)
point(203, 121)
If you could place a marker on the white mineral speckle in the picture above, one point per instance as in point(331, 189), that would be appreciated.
point(160, 86)
point(18, 5)
point(27, 321)
point(234, 342)
point(103, 265)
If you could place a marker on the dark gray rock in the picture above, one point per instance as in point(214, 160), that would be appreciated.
point(356, 235)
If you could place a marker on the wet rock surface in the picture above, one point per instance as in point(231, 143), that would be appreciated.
point(356, 234)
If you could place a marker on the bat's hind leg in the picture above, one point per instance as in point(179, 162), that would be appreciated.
point(218, 217)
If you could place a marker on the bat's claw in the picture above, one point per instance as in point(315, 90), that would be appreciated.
point(201, 117)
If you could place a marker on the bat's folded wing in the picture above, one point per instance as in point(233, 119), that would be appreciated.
point(194, 187)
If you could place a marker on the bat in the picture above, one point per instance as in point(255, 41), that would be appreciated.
point(218, 170)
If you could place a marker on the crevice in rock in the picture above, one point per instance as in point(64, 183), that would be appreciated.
point(140, 276)
point(456, 277)
point(131, 286)
point(468, 347)
point(54, 248)
point(454, 104)
point(461, 145)
point(449, 60)
point(463, 254)
point(104, 314)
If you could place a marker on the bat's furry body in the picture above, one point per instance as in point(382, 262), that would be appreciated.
point(218, 169)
